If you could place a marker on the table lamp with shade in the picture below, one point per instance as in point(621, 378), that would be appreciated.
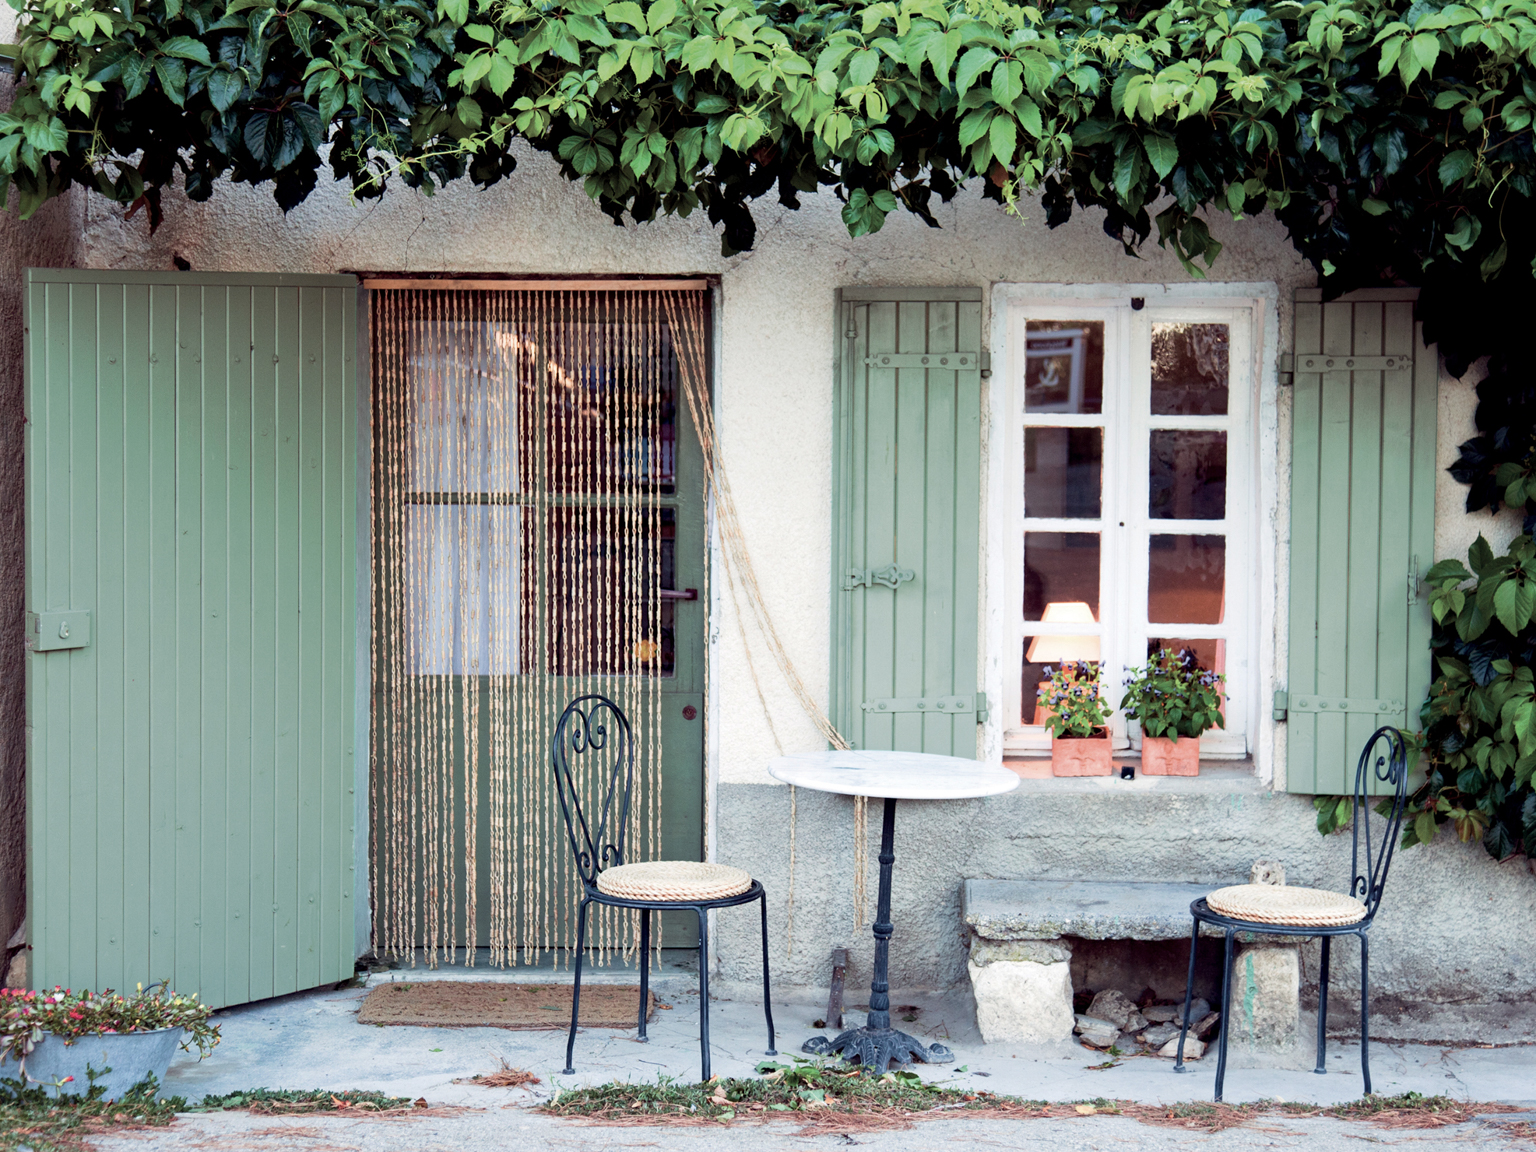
point(1062, 649)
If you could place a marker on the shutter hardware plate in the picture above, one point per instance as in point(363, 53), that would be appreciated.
point(1322, 705)
point(949, 705)
point(951, 361)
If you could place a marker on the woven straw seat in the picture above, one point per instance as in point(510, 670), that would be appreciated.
point(680, 880)
point(1279, 904)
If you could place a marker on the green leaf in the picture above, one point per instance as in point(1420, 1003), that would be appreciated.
point(660, 14)
point(1162, 152)
point(1424, 827)
point(626, 12)
point(224, 88)
point(186, 48)
point(1455, 166)
point(1004, 137)
point(972, 65)
point(1376, 207)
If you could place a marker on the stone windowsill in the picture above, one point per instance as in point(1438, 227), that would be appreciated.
point(1216, 776)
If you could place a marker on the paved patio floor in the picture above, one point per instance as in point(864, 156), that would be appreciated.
point(313, 1040)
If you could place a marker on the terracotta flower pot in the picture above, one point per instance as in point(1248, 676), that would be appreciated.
point(1082, 755)
point(1161, 756)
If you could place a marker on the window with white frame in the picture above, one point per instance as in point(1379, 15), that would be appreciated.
point(1133, 479)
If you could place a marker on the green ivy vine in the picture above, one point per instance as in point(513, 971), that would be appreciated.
point(1394, 140)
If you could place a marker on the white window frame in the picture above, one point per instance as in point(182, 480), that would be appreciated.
point(1252, 438)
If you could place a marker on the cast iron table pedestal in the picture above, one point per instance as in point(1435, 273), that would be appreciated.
point(890, 776)
point(877, 1043)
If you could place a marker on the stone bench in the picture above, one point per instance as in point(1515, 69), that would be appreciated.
point(1021, 934)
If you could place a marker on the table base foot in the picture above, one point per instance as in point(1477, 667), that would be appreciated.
point(876, 1048)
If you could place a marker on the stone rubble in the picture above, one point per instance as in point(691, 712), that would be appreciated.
point(1115, 1007)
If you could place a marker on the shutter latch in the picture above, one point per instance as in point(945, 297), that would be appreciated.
point(890, 576)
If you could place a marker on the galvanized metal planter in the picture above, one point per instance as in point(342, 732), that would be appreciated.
point(120, 1060)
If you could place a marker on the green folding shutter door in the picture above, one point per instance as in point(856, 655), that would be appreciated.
point(1362, 530)
point(907, 498)
point(191, 463)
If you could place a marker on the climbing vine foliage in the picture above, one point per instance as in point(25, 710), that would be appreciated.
point(1389, 137)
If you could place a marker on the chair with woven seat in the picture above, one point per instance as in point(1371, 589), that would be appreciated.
point(1278, 910)
point(593, 742)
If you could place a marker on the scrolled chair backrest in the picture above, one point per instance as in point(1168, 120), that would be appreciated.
point(593, 747)
point(1383, 760)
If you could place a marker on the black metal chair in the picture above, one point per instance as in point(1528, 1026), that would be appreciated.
point(1349, 915)
point(594, 726)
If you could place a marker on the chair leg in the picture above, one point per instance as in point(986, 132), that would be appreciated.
point(1226, 1018)
point(645, 970)
point(773, 1049)
point(704, 992)
point(581, 941)
point(1365, 1010)
point(1322, 1009)
point(1189, 993)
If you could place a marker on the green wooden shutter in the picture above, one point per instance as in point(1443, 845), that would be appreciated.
point(1362, 530)
point(906, 511)
point(191, 464)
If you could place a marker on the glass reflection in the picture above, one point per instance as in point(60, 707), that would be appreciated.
point(1186, 579)
point(1062, 472)
point(1189, 369)
point(1064, 366)
point(1188, 478)
point(1060, 568)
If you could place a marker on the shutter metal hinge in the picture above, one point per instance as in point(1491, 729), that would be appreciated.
point(982, 711)
point(1322, 362)
point(946, 704)
point(1282, 700)
point(890, 577)
point(1413, 580)
point(852, 331)
point(1370, 705)
point(1287, 369)
point(952, 361)
point(986, 365)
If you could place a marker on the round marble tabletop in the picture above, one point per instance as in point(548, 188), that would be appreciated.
point(893, 775)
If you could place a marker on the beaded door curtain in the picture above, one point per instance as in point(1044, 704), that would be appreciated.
point(523, 525)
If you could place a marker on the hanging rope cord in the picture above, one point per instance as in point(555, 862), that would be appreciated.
point(689, 339)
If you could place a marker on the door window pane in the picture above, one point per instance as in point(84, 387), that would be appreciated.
point(1061, 576)
point(1062, 472)
point(1189, 369)
point(1186, 579)
point(1188, 478)
point(1064, 366)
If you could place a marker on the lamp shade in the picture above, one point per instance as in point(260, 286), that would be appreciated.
point(1060, 649)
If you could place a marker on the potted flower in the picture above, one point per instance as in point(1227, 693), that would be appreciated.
point(1171, 696)
point(70, 1042)
point(1077, 720)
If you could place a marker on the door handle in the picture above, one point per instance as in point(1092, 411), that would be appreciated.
point(674, 594)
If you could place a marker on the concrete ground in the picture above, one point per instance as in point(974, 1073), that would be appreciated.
point(313, 1040)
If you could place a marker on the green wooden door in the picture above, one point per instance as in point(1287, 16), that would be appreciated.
point(906, 520)
point(191, 522)
point(1362, 530)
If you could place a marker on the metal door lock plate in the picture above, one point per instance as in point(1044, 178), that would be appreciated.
point(53, 631)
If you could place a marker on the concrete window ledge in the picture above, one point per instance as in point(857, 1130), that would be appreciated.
point(1216, 777)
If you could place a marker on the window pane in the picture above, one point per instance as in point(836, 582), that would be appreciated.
point(1064, 366)
point(1062, 468)
point(1061, 577)
point(462, 580)
point(1186, 579)
point(1189, 369)
point(1188, 476)
point(1034, 676)
point(1211, 654)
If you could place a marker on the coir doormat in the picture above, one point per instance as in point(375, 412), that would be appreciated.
point(465, 1004)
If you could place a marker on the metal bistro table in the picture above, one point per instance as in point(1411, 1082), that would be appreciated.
point(890, 776)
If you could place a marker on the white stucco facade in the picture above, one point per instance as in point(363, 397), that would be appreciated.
point(776, 346)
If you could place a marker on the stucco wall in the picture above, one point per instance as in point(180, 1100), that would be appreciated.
point(774, 392)
point(48, 239)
